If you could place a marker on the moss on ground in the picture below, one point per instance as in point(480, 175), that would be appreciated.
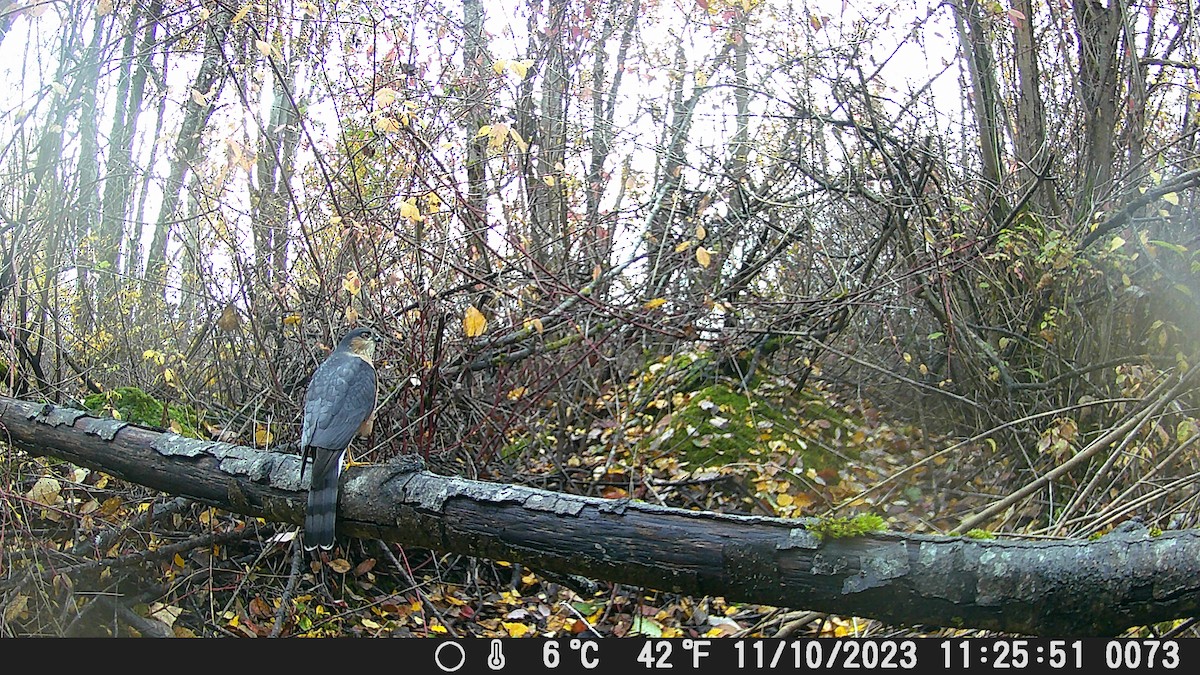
point(133, 405)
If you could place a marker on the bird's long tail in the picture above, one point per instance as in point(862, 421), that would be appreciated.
point(321, 515)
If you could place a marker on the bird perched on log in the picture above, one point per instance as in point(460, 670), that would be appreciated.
point(339, 404)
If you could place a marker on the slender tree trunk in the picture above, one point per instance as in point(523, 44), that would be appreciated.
point(668, 181)
point(118, 181)
point(982, 66)
point(476, 71)
point(550, 241)
point(1029, 136)
point(1098, 28)
point(87, 200)
point(188, 148)
point(278, 142)
point(598, 239)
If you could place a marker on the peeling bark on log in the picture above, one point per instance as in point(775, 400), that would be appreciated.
point(1054, 588)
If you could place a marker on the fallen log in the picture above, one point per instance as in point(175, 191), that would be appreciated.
point(1049, 588)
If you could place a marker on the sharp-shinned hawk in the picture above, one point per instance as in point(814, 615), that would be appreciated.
point(339, 405)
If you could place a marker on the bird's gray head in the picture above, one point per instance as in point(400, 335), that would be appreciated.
point(361, 342)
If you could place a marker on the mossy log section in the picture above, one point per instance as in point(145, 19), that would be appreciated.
point(1049, 588)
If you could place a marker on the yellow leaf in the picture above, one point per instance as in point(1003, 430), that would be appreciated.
point(292, 320)
point(683, 246)
point(367, 623)
point(515, 629)
point(1116, 243)
point(351, 315)
point(263, 47)
point(520, 68)
point(384, 97)
point(701, 233)
point(386, 124)
point(516, 394)
point(410, 210)
point(784, 499)
point(535, 324)
point(179, 561)
point(262, 435)
point(518, 139)
point(485, 130)
point(703, 257)
point(352, 283)
point(496, 135)
point(437, 628)
point(654, 304)
point(1171, 198)
point(548, 180)
point(701, 78)
point(498, 66)
point(474, 322)
point(241, 14)
point(199, 98)
point(104, 7)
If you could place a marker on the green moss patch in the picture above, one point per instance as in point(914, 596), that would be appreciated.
point(137, 407)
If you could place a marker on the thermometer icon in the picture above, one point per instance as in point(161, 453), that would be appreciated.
point(495, 659)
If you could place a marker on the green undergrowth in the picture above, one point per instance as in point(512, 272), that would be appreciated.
point(719, 425)
point(133, 405)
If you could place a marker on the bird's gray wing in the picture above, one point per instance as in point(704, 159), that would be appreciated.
point(340, 397)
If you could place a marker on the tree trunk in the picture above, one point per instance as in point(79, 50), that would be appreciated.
point(598, 235)
point(1099, 31)
point(188, 145)
point(279, 139)
point(1029, 135)
point(87, 198)
point(476, 70)
point(1060, 587)
point(982, 66)
point(118, 183)
point(548, 207)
